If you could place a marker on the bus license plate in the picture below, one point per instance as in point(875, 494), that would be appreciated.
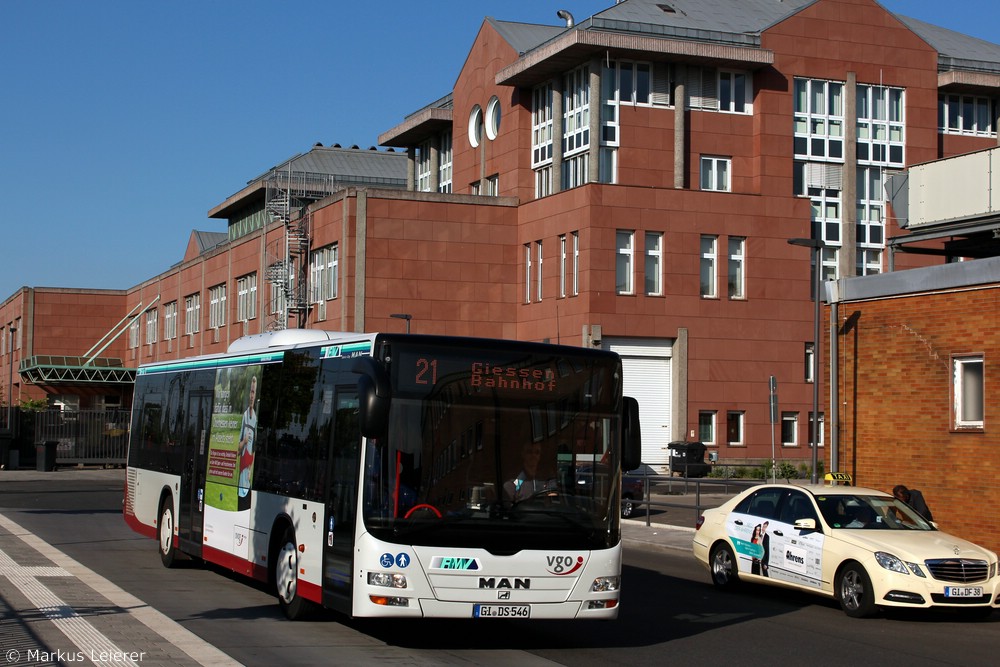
point(963, 591)
point(501, 611)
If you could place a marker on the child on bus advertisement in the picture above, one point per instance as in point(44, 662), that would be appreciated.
point(232, 442)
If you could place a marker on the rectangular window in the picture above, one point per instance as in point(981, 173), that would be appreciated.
point(281, 286)
point(706, 426)
point(734, 427)
point(969, 390)
point(538, 270)
point(625, 243)
point(576, 112)
point(709, 245)
point(133, 334)
point(491, 186)
point(170, 321)
point(881, 125)
point(192, 313)
point(819, 440)
point(541, 125)
point(246, 297)
point(715, 174)
point(563, 265)
point(152, 317)
point(809, 360)
point(323, 270)
point(527, 273)
point(445, 163)
point(733, 93)
point(789, 429)
point(575, 280)
point(737, 267)
point(967, 114)
point(654, 264)
point(712, 89)
point(422, 166)
point(217, 306)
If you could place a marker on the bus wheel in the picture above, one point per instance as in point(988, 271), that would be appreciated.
point(168, 552)
point(286, 578)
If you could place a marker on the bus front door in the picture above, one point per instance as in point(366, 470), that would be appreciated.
point(191, 494)
point(341, 502)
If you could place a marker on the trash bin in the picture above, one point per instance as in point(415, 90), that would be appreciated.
point(688, 459)
point(45, 456)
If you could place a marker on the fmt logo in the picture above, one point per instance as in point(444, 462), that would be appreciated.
point(563, 565)
point(451, 563)
point(504, 582)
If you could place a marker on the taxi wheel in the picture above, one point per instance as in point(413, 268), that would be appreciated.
point(854, 591)
point(724, 569)
point(628, 508)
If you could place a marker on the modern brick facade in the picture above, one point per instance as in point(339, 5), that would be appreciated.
point(693, 282)
point(896, 382)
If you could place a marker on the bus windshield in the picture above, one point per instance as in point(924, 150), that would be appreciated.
point(497, 449)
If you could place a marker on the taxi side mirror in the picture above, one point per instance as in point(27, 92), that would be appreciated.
point(805, 524)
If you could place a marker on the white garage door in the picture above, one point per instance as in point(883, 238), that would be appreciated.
point(646, 368)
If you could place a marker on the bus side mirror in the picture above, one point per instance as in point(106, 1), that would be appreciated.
point(373, 394)
point(631, 438)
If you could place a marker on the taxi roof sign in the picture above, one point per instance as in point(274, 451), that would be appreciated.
point(837, 478)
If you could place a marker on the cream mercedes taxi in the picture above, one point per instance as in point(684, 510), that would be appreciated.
point(859, 546)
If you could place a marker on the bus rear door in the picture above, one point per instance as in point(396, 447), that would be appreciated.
point(191, 495)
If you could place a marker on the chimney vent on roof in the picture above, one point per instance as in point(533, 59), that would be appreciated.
point(567, 17)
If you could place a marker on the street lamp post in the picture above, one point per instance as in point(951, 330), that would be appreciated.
point(403, 316)
point(10, 386)
point(816, 246)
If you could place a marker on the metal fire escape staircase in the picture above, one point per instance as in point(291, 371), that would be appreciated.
point(287, 258)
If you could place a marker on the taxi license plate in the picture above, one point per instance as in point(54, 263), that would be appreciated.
point(963, 591)
point(501, 611)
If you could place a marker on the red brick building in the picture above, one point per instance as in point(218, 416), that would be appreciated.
point(629, 181)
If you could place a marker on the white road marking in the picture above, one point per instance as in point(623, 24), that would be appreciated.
point(87, 638)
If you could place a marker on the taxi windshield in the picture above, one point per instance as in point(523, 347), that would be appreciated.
point(867, 512)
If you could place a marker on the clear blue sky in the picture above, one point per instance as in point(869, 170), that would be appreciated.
point(122, 122)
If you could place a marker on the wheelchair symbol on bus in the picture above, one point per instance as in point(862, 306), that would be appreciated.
point(399, 560)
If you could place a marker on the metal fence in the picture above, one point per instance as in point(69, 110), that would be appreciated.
point(83, 437)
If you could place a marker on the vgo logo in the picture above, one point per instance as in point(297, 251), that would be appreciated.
point(563, 565)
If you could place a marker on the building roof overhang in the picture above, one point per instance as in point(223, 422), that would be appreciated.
point(571, 48)
point(255, 191)
point(417, 127)
point(958, 80)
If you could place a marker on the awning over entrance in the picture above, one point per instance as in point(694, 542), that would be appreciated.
point(48, 370)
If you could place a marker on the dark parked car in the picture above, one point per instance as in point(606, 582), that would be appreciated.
point(633, 484)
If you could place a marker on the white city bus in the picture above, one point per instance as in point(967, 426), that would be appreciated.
point(377, 474)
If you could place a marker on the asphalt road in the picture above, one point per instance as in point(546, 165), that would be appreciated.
point(670, 613)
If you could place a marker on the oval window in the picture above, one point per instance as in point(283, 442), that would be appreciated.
point(493, 118)
point(476, 126)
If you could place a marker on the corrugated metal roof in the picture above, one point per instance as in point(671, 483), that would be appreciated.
point(346, 163)
point(951, 44)
point(731, 16)
point(523, 37)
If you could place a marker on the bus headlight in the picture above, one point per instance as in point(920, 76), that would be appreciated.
point(605, 585)
point(387, 579)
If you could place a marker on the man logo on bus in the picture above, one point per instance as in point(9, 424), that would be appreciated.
point(563, 565)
